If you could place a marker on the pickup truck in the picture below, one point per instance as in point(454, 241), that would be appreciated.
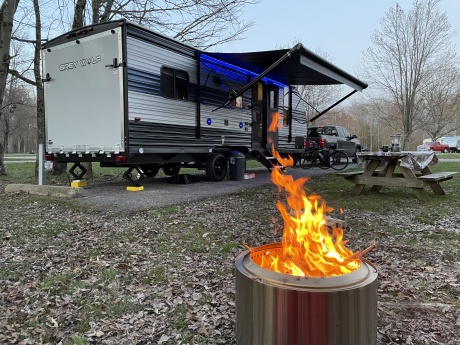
point(434, 146)
point(335, 137)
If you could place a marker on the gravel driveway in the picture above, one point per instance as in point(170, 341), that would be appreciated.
point(112, 195)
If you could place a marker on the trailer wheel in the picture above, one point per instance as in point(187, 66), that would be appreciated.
point(151, 170)
point(216, 167)
point(171, 170)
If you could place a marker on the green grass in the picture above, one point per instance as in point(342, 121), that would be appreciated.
point(107, 275)
point(23, 173)
point(157, 275)
point(178, 317)
point(448, 155)
point(77, 339)
point(227, 247)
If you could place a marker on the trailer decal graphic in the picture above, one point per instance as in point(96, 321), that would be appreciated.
point(83, 62)
point(89, 61)
point(68, 65)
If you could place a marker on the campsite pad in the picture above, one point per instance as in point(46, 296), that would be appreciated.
point(159, 192)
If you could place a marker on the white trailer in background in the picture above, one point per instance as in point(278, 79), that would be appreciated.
point(124, 96)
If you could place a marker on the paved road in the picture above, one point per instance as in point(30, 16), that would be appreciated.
point(112, 195)
point(19, 158)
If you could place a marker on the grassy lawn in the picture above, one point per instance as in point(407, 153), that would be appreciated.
point(24, 173)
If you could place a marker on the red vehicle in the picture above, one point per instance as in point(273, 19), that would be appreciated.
point(434, 146)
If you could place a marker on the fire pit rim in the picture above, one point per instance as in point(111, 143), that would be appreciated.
point(248, 267)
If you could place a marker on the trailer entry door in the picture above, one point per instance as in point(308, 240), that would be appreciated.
point(272, 111)
point(257, 114)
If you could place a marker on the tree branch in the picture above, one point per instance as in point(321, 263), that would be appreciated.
point(16, 74)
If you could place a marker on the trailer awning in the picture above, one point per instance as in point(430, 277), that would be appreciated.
point(296, 66)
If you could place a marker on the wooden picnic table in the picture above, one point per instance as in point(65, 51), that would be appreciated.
point(413, 172)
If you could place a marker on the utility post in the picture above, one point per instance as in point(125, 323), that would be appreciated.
point(41, 165)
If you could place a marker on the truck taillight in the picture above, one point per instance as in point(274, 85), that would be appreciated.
point(321, 142)
point(307, 143)
point(120, 159)
point(48, 157)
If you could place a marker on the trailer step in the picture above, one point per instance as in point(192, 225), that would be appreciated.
point(268, 160)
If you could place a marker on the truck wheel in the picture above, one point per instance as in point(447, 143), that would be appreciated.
point(446, 151)
point(216, 167)
point(171, 170)
point(151, 170)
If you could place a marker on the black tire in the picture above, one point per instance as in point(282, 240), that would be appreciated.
point(445, 151)
point(338, 160)
point(151, 170)
point(216, 167)
point(307, 160)
point(171, 170)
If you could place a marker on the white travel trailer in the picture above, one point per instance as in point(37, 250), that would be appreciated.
point(453, 142)
point(124, 96)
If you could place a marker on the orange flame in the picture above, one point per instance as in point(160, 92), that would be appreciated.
point(275, 122)
point(308, 247)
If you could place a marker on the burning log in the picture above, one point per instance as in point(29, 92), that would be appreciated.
point(358, 255)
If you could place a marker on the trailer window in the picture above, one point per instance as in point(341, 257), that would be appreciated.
point(258, 92)
point(273, 95)
point(286, 101)
point(238, 102)
point(174, 83)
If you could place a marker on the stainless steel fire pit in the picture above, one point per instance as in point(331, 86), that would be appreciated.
point(280, 309)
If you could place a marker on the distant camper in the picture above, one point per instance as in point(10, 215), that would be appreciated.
point(453, 142)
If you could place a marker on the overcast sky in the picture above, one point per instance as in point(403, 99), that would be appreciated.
point(340, 28)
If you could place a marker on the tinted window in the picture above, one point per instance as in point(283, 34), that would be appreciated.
point(273, 97)
point(174, 83)
point(167, 82)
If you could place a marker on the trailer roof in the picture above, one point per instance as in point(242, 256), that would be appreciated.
point(300, 67)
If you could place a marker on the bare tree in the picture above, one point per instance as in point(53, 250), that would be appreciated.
point(408, 50)
point(19, 113)
point(7, 11)
point(441, 99)
point(203, 23)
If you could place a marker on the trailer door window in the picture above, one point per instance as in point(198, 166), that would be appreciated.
point(286, 102)
point(273, 97)
point(174, 83)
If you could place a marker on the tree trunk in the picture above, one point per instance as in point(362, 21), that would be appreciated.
point(39, 84)
point(2, 163)
point(7, 11)
point(79, 18)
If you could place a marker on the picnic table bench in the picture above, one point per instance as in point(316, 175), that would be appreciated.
point(414, 172)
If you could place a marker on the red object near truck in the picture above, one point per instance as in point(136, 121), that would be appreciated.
point(433, 146)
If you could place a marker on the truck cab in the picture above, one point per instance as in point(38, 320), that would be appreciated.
point(335, 137)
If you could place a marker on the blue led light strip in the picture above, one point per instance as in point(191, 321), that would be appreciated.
point(216, 62)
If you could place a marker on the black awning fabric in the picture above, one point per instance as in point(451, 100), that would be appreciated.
point(303, 67)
